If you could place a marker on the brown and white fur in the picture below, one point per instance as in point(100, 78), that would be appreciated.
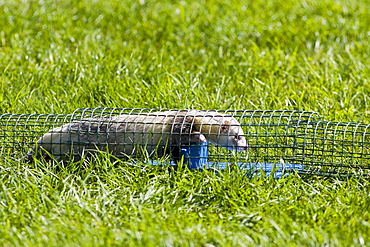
point(150, 134)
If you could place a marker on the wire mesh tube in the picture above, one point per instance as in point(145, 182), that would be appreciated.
point(288, 139)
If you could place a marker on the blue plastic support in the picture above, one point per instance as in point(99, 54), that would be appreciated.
point(196, 157)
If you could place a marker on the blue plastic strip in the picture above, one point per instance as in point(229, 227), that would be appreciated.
point(196, 157)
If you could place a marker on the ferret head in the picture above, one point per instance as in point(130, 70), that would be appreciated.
point(225, 131)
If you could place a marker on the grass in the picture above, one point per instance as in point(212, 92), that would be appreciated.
point(56, 56)
point(104, 204)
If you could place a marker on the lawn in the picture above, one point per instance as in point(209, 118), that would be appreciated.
point(56, 56)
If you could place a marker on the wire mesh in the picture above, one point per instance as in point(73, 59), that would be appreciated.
point(274, 137)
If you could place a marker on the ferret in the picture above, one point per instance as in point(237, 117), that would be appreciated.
point(150, 134)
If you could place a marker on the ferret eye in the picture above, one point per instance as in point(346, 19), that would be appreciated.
point(238, 137)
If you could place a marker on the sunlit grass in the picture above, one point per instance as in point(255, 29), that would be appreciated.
point(56, 56)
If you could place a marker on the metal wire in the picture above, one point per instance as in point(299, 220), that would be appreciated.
point(279, 137)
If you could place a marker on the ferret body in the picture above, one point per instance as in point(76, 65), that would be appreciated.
point(150, 134)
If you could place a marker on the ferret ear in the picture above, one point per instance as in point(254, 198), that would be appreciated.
point(225, 127)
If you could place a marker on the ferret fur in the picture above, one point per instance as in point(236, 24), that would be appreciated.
point(150, 134)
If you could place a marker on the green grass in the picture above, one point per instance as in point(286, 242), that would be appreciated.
point(56, 56)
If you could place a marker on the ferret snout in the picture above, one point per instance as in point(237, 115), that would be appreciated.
point(239, 142)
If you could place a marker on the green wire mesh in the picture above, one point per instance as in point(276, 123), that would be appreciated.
point(279, 137)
